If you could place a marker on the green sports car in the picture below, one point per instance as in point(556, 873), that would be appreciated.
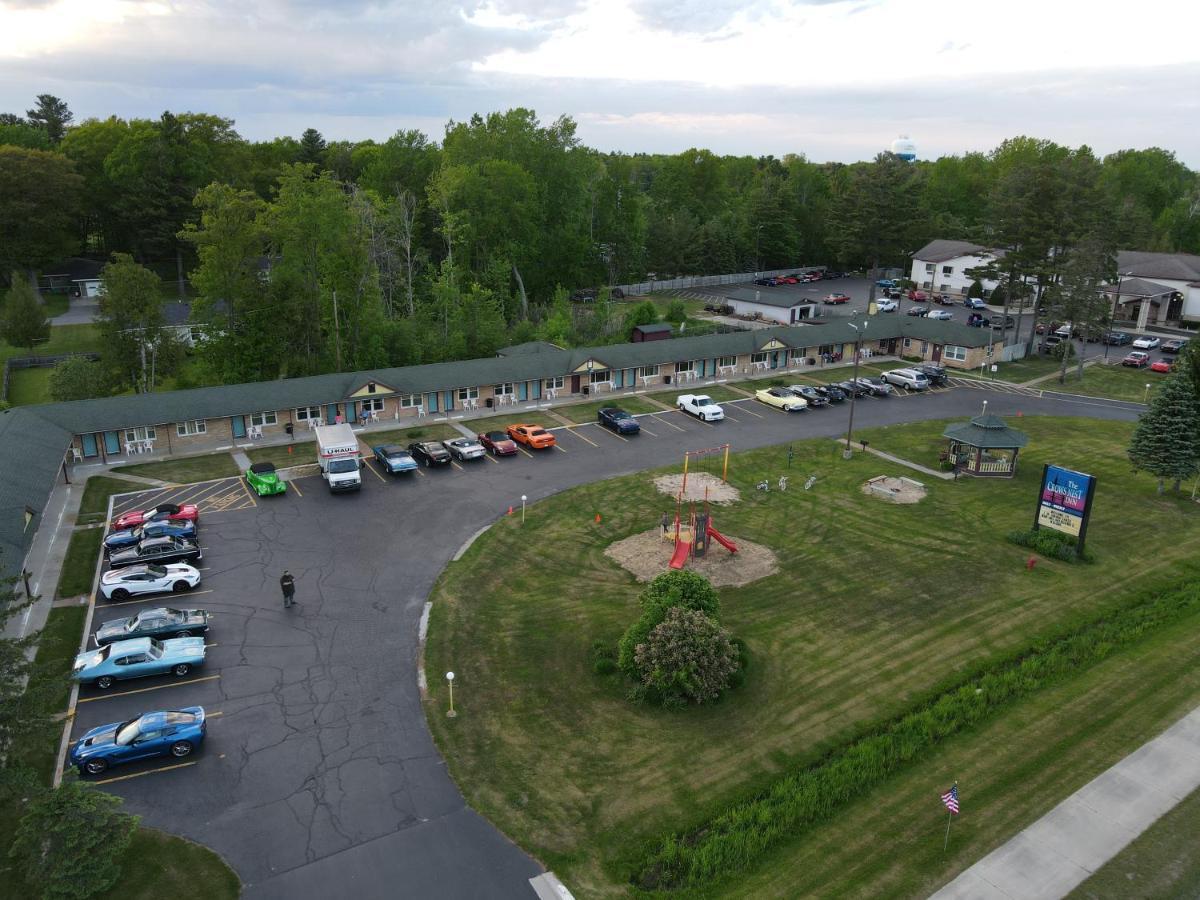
point(263, 478)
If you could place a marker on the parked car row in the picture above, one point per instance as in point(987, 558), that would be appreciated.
point(799, 277)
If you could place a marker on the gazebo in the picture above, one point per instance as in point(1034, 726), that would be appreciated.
point(984, 446)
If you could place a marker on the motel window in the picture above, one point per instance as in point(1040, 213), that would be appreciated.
point(555, 384)
point(465, 394)
point(928, 285)
point(373, 405)
point(929, 268)
point(263, 418)
point(602, 377)
point(727, 361)
point(907, 343)
point(956, 353)
point(370, 387)
point(190, 428)
point(684, 367)
point(141, 433)
point(304, 413)
point(410, 401)
point(648, 372)
point(758, 358)
point(924, 347)
point(504, 390)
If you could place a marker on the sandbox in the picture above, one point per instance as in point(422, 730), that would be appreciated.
point(647, 554)
point(895, 490)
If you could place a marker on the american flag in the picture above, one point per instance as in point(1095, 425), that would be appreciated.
point(950, 798)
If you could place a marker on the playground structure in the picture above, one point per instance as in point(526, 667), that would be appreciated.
point(691, 539)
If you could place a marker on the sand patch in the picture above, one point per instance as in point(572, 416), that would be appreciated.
point(894, 490)
point(646, 555)
point(718, 490)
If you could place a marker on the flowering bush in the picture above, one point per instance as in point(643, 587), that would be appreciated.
point(686, 658)
point(683, 589)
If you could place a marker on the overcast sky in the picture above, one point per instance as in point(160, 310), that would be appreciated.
point(832, 80)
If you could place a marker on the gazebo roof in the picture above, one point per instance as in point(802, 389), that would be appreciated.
point(988, 433)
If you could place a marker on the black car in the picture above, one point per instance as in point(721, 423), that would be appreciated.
point(429, 453)
point(1117, 338)
point(936, 374)
point(833, 393)
point(876, 385)
point(917, 311)
point(766, 282)
point(618, 420)
point(158, 623)
point(854, 389)
point(1002, 322)
point(118, 540)
point(811, 394)
point(1172, 346)
point(159, 550)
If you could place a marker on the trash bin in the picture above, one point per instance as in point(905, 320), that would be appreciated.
point(489, 402)
point(587, 389)
point(288, 428)
point(666, 379)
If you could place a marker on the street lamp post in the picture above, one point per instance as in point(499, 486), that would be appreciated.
point(523, 499)
point(450, 714)
point(847, 453)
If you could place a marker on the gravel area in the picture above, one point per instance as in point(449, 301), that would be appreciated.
point(718, 490)
point(647, 554)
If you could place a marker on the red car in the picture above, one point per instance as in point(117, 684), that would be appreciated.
point(1137, 360)
point(812, 276)
point(786, 279)
point(836, 298)
point(1164, 366)
point(167, 512)
point(914, 294)
point(498, 443)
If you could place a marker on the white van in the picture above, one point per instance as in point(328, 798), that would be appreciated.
point(910, 379)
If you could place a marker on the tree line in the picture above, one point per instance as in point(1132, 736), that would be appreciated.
point(309, 255)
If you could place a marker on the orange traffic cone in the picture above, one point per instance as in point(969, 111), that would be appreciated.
point(510, 511)
point(597, 518)
point(289, 449)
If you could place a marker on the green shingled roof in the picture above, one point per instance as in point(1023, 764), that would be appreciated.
point(33, 452)
point(987, 432)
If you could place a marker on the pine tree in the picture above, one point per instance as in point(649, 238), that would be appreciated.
point(23, 321)
point(1166, 442)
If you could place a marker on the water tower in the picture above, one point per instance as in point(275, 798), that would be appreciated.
point(904, 148)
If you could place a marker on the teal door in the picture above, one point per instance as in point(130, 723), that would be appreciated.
point(112, 442)
point(449, 400)
point(239, 426)
point(431, 403)
point(352, 411)
point(89, 445)
point(537, 389)
point(331, 413)
point(522, 391)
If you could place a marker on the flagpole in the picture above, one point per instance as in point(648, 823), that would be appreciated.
point(949, 819)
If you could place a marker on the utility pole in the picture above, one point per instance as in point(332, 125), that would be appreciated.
point(847, 453)
point(337, 333)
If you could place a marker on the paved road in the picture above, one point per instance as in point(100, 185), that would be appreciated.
point(80, 311)
point(320, 778)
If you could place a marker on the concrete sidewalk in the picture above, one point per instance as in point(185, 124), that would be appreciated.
point(1062, 849)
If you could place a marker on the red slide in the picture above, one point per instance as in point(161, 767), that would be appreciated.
point(722, 540)
point(679, 557)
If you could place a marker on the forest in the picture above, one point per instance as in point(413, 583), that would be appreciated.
point(311, 254)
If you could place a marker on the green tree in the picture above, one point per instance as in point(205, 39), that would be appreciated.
point(78, 378)
point(676, 312)
point(131, 321)
point(70, 840)
point(39, 202)
point(645, 313)
point(312, 147)
point(23, 321)
point(23, 700)
point(1166, 441)
point(51, 114)
point(686, 658)
point(24, 134)
point(682, 588)
point(1076, 297)
point(106, 222)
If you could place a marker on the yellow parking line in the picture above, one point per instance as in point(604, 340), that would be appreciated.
point(665, 422)
point(213, 715)
point(185, 496)
point(367, 465)
point(133, 502)
point(613, 434)
point(147, 772)
point(296, 488)
point(246, 488)
point(491, 458)
point(559, 446)
point(157, 687)
point(456, 465)
point(580, 436)
point(523, 450)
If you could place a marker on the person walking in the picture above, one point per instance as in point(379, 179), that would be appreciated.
point(288, 585)
point(666, 523)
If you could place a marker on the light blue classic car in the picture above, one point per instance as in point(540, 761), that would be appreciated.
point(133, 659)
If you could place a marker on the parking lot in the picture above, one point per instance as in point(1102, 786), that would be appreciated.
point(318, 772)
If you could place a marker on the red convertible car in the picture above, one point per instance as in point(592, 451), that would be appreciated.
point(914, 294)
point(167, 512)
point(498, 442)
point(1136, 360)
point(1163, 366)
point(836, 298)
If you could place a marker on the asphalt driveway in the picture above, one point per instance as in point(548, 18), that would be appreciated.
point(319, 778)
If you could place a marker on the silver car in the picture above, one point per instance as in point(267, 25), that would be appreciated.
point(464, 448)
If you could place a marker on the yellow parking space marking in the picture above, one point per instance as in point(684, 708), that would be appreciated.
point(456, 465)
point(246, 488)
point(213, 715)
point(147, 772)
point(523, 450)
point(147, 598)
point(491, 459)
point(367, 465)
point(619, 437)
point(665, 422)
point(296, 488)
point(751, 412)
point(192, 496)
point(560, 448)
point(573, 431)
point(157, 687)
point(133, 502)
point(648, 431)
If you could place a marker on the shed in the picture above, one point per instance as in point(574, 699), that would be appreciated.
point(984, 446)
point(659, 331)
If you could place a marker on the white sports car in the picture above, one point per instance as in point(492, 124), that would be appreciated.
point(121, 584)
point(1146, 343)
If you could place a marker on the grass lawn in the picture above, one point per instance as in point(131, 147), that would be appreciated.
point(159, 864)
point(63, 339)
point(499, 423)
point(185, 470)
point(719, 392)
point(29, 386)
point(94, 505)
point(79, 566)
point(435, 431)
point(303, 453)
point(876, 605)
point(1116, 382)
point(586, 412)
point(1164, 861)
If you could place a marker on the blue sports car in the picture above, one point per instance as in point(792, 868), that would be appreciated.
point(169, 732)
point(395, 459)
point(119, 540)
point(133, 659)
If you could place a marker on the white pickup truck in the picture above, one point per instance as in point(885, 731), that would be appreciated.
point(337, 455)
point(701, 406)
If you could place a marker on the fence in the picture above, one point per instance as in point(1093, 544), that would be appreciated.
point(690, 281)
point(35, 362)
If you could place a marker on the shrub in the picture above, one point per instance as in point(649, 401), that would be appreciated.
point(676, 312)
point(681, 588)
point(735, 839)
point(1066, 348)
point(78, 378)
point(604, 657)
point(1053, 544)
point(687, 658)
point(976, 289)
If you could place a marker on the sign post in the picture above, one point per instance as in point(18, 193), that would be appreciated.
point(1065, 503)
